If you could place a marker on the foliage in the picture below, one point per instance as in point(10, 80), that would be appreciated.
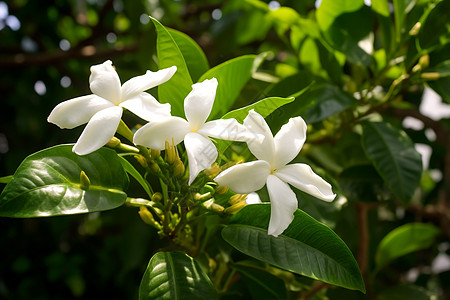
point(356, 73)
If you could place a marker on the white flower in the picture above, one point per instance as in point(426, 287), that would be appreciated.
point(195, 132)
point(272, 170)
point(102, 110)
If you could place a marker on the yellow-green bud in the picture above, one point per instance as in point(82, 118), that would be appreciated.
point(148, 218)
point(415, 29)
point(113, 143)
point(430, 76)
point(221, 190)
point(424, 60)
point(235, 208)
point(202, 197)
point(154, 153)
point(213, 171)
point(84, 181)
point(157, 197)
point(210, 205)
point(170, 153)
point(154, 167)
point(141, 160)
point(237, 198)
point(179, 168)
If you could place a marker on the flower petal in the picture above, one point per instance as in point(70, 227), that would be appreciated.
point(155, 134)
point(201, 153)
point(283, 205)
point(229, 129)
point(302, 177)
point(264, 149)
point(77, 111)
point(199, 102)
point(138, 84)
point(105, 83)
point(146, 107)
point(245, 178)
point(100, 129)
point(253, 198)
point(289, 141)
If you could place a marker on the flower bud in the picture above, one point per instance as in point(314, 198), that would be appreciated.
point(179, 168)
point(430, 76)
point(213, 171)
point(202, 197)
point(154, 153)
point(221, 190)
point(210, 205)
point(113, 143)
point(157, 197)
point(154, 167)
point(237, 198)
point(424, 60)
point(141, 160)
point(84, 181)
point(170, 153)
point(415, 29)
point(235, 208)
point(148, 218)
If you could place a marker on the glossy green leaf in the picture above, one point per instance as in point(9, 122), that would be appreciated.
point(6, 179)
point(261, 283)
point(337, 19)
point(194, 56)
point(441, 85)
point(136, 175)
point(381, 9)
point(306, 247)
point(403, 240)
point(405, 292)
point(232, 75)
point(174, 276)
point(176, 89)
point(435, 31)
point(47, 183)
point(264, 107)
point(393, 155)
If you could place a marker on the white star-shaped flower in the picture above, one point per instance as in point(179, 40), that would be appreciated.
point(195, 132)
point(102, 110)
point(271, 169)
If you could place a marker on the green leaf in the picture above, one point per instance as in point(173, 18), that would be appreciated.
point(178, 87)
point(337, 19)
point(47, 183)
point(306, 247)
point(381, 8)
point(405, 239)
point(441, 85)
point(435, 31)
point(232, 75)
point(6, 179)
point(261, 283)
point(393, 155)
point(194, 56)
point(136, 175)
point(264, 107)
point(173, 276)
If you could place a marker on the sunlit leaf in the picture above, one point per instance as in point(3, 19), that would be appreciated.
point(306, 247)
point(47, 183)
point(194, 56)
point(337, 19)
point(403, 240)
point(175, 275)
point(232, 75)
point(176, 89)
point(393, 155)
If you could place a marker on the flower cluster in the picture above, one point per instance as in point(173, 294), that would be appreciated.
point(102, 111)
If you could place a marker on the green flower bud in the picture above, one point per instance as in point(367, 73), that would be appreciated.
point(84, 181)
